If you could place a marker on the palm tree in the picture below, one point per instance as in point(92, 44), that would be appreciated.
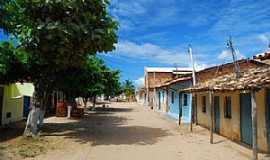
point(129, 89)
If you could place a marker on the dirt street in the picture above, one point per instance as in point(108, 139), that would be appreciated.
point(128, 131)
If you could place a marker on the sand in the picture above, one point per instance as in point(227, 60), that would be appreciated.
point(129, 131)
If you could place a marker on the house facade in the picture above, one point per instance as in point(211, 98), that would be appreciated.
point(173, 101)
point(225, 103)
point(141, 95)
point(232, 115)
point(15, 102)
point(156, 76)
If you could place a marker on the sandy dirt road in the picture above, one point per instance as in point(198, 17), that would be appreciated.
point(128, 131)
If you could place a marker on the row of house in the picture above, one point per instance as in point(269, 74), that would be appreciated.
point(237, 108)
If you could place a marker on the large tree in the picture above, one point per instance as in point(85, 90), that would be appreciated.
point(56, 35)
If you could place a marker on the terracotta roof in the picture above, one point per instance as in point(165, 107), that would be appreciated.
point(262, 56)
point(254, 78)
point(231, 63)
point(175, 81)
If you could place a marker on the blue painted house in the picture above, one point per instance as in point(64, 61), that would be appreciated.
point(170, 99)
point(161, 99)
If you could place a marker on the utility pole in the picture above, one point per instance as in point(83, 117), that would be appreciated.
point(193, 65)
point(194, 83)
point(236, 65)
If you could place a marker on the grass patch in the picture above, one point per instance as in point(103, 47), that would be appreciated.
point(27, 147)
point(31, 147)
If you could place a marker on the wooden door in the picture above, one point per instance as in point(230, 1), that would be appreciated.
point(217, 114)
point(159, 100)
point(245, 118)
point(180, 105)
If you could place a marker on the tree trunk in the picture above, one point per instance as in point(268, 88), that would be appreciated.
point(94, 101)
point(85, 102)
point(36, 115)
point(34, 121)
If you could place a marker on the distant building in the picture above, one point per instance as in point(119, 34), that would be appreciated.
point(174, 102)
point(156, 76)
point(141, 95)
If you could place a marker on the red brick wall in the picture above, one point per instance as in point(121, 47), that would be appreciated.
point(209, 74)
point(157, 78)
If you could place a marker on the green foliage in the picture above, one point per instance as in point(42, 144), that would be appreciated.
point(60, 32)
point(90, 80)
point(112, 83)
point(128, 88)
point(57, 37)
point(13, 63)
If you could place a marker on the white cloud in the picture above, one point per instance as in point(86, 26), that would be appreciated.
point(227, 55)
point(202, 66)
point(130, 9)
point(152, 53)
point(264, 38)
point(139, 82)
point(242, 18)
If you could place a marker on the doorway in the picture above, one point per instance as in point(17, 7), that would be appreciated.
point(245, 118)
point(217, 113)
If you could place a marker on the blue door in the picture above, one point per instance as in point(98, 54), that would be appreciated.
point(159, 100)
point(267, 117)
point(245, 118)
point(217, 114)
point(26, 106)
point(180, 106)
point(174, 105)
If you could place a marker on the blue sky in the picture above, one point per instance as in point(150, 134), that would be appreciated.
point(157, 32)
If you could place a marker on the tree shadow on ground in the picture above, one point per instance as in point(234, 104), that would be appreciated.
point(109, 109)
point(12, 131)
point(105, 129)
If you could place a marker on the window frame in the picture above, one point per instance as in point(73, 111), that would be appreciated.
point(204, 104)
point(228, 107)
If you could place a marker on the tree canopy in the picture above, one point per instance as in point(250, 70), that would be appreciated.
point(57, 42)
point(56, 37)
point(60, 32)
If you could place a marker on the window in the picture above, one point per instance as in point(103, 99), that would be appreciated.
point(204, 104)
point(185, 99)
point(228, 107)
point(172, 99)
